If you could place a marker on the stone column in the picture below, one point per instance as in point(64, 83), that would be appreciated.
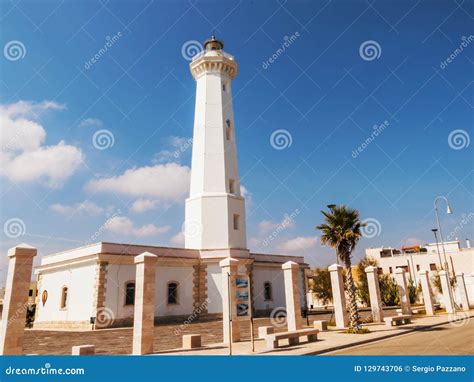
point(374, 293)
point(292, 296)
point(462, 291)
point(338, 296)
point(447, 295)
point(15, 302)
point(403, 291)
point(427, 292)
point(144, 313)
point(229, 267)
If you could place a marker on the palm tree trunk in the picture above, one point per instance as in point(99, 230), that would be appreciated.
point(354, 318)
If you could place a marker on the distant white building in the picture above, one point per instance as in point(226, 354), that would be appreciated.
point(428, 257)
point(97, 282)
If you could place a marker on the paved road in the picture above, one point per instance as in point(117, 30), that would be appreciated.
point(447, 339)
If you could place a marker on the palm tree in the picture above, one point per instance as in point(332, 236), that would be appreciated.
point(342, 230)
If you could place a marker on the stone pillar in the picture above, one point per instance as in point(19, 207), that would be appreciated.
point(462, 291)
point(229, 267)
point(292, 296)
point(374, 293)
point(338, 296)
point(427, 292)
point(403, 291)
point(15, 302)
point(144, 313)
point(447, 295)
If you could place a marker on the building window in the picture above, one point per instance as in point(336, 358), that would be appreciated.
point(30, 293)
point(433, 267)
point(228, 130)
point(172, 293)
point(380, 270)
point(417, 267)
point(267, 291)
point(236, 221)
point(224, 87)
point(64, 298)
point(232, 186)
point(130, 293)
point(390, 269)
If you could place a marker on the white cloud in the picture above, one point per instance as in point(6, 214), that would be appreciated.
point(178, 239)
point(298, 244)
point(176, 147)
point(168, 182)
point(143, 205)
point(265, 226)
point(24, 157)
point(124, 226)
point(86, 206)
point(94, 122)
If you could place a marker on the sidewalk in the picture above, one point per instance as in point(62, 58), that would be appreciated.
point(329, 340)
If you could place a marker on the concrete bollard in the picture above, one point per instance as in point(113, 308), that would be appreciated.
point(322, 325)
point(83, 350)
point(191, 341)
point(263, 331)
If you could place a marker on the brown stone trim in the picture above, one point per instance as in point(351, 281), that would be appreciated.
point(200, 288)
point(100, 288)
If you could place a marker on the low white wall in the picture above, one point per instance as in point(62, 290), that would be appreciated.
point(119, 275)
point(80, 281)
point(275, 277)
point(214, 287)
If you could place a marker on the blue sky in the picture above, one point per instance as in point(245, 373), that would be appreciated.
point(323, 89)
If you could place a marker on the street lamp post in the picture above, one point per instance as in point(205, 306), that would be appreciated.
point(448, 211)
point(437, 246)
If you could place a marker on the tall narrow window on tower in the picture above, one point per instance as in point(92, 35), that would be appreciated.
point(236, 221)
point(228, 130)
point(231, 186)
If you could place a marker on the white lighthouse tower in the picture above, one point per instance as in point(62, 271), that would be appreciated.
point(215, 209)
